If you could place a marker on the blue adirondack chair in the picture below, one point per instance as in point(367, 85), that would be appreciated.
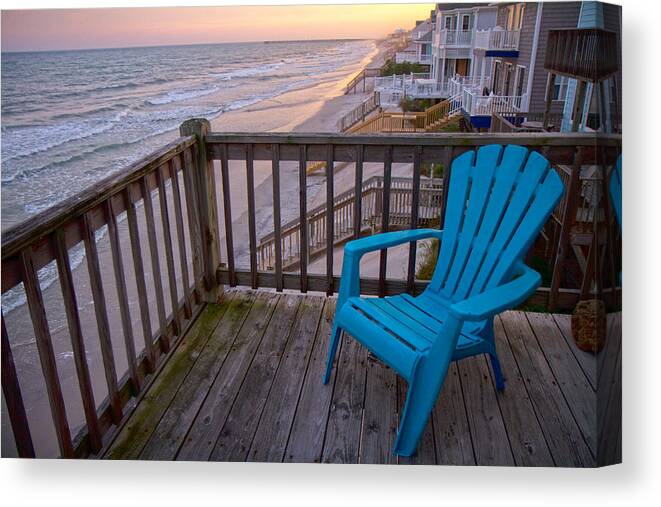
point(499, 199)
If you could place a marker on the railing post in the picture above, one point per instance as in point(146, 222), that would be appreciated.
point(205, 185)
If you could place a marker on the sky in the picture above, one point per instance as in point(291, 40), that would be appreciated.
point(46, 29)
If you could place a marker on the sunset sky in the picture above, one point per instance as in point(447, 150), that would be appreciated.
point(28, 30)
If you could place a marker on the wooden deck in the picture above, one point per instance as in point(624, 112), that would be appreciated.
point(245, 385)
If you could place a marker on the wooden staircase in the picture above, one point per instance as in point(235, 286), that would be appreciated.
point(431, 119)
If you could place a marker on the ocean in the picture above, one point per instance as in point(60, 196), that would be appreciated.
point(71, 118)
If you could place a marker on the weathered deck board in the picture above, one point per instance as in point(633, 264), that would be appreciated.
point(573, 383)
point(346, 412)
point(132, 438)
point(563, 435)
point(271, 437)
point(306, 441)
point(219, 399)
point(587, 360)
point(245, 384)
point(523, 428)
point(485, 421)
point(454, 445)
point(237, 433)
point(220, 352)
point(379, 427)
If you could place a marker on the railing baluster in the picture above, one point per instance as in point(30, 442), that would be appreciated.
point(252, 234)
point(14, 400)
point(122, 295)
point(358, 192)
point(415, 203)
point(174, 166)
point(77, 342)
point(303, 213)
point(141, 286)
point(46, 353)
point(167, 239)
point(385, 217)
point(275, 171)
point(227, 213)
point(155, 263)
point(101, 314)
point(330, 243)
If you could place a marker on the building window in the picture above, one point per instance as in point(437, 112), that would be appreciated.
point(515, 16)
point(466, 22)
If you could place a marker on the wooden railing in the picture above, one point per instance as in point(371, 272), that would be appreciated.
point(359, 113)
point(182, 276)
point(372, 206)
point(361, 77)
point(582, 53)
point(182, 253)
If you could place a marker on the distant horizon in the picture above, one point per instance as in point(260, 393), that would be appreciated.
point(292, 41)
point(134, 27)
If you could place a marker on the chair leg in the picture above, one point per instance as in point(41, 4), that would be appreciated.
point(335, 335)
point(420, 398)
point(497, 372)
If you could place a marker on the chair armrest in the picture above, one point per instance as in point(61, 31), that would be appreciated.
point(498, 299)
point(367, 244)
point(354, 250)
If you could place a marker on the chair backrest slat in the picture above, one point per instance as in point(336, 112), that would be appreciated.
point(498, 201)
point(514, 157)
point(454, 216)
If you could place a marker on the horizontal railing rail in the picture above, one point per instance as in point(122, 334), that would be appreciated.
point(165, 255)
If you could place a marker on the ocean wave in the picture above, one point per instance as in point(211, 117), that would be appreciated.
point(180, 95)
point(248, 72)
point(21, 141)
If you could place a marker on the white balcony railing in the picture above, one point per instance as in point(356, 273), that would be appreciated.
point(497, 39)
point(455, 38)
point(416, 86)
point(412, 57)
point(476, 84)
point(477, 104)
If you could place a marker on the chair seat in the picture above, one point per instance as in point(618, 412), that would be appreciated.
point(414, 321)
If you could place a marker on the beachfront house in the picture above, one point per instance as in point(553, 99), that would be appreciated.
point(420, 48)
point(489, 58)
